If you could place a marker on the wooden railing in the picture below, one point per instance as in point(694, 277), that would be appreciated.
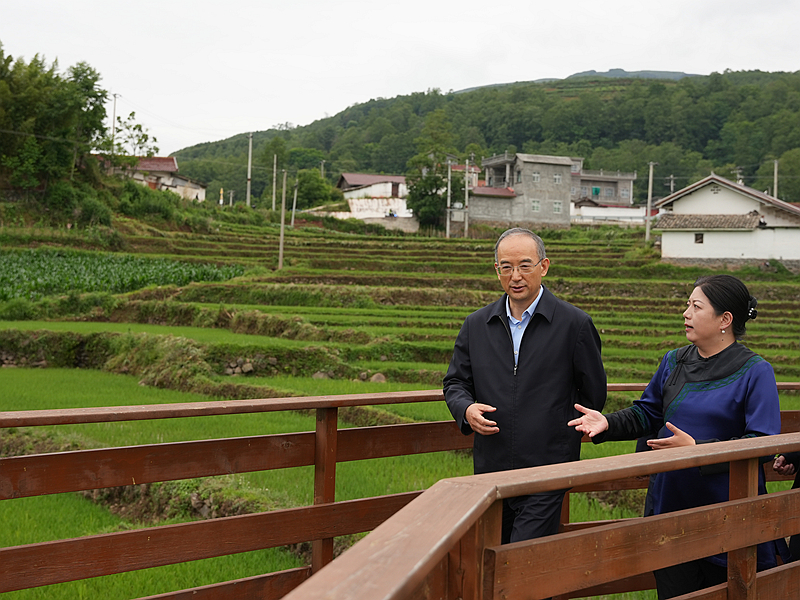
point(467, 504)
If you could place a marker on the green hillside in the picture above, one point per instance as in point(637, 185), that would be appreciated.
point(740, 121)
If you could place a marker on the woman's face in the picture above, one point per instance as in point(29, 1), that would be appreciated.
point(701, 323)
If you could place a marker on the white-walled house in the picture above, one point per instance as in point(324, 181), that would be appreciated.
point(376, 199)
point(718, 220)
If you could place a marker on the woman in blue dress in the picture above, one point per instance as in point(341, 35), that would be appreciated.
point(711, 390)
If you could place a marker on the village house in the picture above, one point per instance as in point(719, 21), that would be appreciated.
point(538, 190)
point(376, 199)
point(523, 189)
point(374, 196)
point(603, 187)
point(161, 173)
point(717, 221)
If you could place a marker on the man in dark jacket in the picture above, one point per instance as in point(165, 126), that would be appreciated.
point(519, 366)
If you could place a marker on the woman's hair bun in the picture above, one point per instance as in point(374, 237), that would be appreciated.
point(752, 313)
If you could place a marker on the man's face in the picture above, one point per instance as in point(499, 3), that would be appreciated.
point(516, 251)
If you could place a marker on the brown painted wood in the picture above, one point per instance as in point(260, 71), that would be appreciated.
point(790, 421)
point(272, 586)
point(465, 564)
point(558, 564)
point(574, 474)
point(29, 418)
point(400, 554)
point(396, 561)
point(742, 561)
point(434, 586)
point(628, 483)
point(68, 560)
point(645, 581)
point(55, 473)
point(780, 583)
point(324, 478)
point(399, 440)
point(474, 495)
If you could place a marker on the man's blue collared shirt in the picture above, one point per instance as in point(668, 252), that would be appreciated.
point(518, 327)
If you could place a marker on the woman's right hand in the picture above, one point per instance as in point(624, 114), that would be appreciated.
point(591, 423)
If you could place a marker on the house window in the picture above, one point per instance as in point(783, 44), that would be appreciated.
point(698, 238)
point(557, 178)
point(575, 168)
point(573, 190)
point(535, 177)
point(624, 193)
point(519, 176)
point(535, 205)
point(557, 206)
point(584, 191)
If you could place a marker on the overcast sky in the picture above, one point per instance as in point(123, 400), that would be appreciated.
point(197, 71)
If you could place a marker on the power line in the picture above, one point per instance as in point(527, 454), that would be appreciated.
point(41, 137)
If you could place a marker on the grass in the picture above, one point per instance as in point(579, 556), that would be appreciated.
point(38, 519)
point(362, 317)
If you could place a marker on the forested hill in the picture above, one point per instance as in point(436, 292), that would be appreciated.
point(730, 122)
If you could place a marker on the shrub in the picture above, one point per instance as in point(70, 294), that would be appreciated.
point(93, 212)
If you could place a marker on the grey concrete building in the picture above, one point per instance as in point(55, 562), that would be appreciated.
point(524, 189)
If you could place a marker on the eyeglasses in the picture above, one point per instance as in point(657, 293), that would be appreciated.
point(524, 269)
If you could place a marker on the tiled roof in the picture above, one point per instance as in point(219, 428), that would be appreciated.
point(672, 221)
point(158, 163)
point(349, 180)
point(494, 192)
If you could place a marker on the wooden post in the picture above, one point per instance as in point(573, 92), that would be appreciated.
point(324, 478)
point(742, 562)
point(465, 562)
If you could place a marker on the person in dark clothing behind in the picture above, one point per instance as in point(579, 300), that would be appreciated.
point(519, 366)
point(714, 389)
point(789, 464)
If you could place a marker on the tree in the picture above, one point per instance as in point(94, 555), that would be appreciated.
point(134, 138)
point(788, 176)
point(88, 103)
point(312, 189)
point(427, 193)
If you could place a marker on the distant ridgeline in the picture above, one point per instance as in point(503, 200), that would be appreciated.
point(690, 125)
point(612, 74)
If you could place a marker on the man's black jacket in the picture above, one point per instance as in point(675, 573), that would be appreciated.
point(559, 365)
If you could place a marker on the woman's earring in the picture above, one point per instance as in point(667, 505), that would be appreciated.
point(723, 331)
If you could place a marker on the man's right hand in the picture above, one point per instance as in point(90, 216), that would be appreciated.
point(476, 420)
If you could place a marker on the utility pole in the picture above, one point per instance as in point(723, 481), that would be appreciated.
point(274, 177)
point(230, 198)
point(466, 198)
point(775, 180)
point(283, 220)
point(113, 123)
point(294, 200)
point(249, 165)
point(649, 203)
point(671, 184)
point(322, 169)
point(738, 172)
point(449, 188)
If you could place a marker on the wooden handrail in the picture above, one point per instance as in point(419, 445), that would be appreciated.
point(395, 559)
point(110, 414)
point(32, 475)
